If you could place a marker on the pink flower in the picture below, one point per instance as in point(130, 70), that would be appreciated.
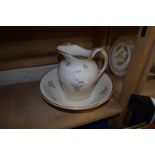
point(50, 84)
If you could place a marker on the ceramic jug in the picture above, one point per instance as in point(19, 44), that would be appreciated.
point(78, 72)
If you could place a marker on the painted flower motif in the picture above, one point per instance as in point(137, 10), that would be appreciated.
point(85, 66)
point(78, 86)
point(77, 71)
point(54, 98)
point(50, 84)
point(104, 90)
point(68, 63)
point(81, 82)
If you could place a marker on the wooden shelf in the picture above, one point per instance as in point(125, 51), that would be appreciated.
point(149, 88)
point(22, 107)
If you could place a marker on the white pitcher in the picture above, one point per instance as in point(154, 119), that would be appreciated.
point(78, 72)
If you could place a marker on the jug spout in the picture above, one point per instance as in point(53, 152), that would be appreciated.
point(74, 50)
point(69, 58)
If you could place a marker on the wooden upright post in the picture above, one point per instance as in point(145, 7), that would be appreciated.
point(142, 55)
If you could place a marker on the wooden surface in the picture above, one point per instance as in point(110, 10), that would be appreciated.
point(149, 88)
point(100, 36)
point(149, 61)
point(119, 31)
point(34, 48)
point(117, 84)
point(139, 60)
point(135, 76)
point(29, 62)
point(23, 33)
point(22, 107)
point(27, 42)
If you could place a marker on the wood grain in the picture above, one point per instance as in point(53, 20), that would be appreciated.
point(29, 62)
point(119, 31)
point(34, 48)
point(148, 89)
point(100, 36)
point(22, 107)
point(24, 33)
point(148, 65)
point(139, 60)
point(135, 76)
point(117, 84)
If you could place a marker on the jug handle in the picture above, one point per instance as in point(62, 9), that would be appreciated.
point(101, 50)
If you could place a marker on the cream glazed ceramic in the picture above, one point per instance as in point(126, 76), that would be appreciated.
point(120, 55)
point(78, 72)
point(52, 92)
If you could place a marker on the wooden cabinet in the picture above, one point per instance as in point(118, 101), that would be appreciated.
point(21, 105)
